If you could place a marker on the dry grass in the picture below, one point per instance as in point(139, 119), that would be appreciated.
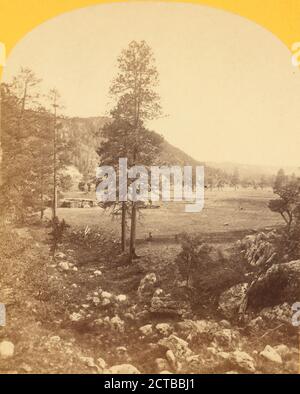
point(227, 211)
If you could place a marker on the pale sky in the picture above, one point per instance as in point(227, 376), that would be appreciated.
point(227, 85)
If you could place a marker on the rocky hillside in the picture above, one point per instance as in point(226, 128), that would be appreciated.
point(85, 311)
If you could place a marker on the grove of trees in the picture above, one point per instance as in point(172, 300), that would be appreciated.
point(33, 153)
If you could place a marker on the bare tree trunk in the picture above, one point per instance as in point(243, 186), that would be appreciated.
point(123, 226)
point(1, 176)
point(132, 233)
point(54, 166)
point(42, 205)
point(2, 221)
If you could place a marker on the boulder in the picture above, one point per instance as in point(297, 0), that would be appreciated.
point(278, 313)
point(280, 284)
point(270, 354)
point(243, 360)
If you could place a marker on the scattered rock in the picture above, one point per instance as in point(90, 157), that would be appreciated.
point(226, 337)
point(225, 324)
point(121, 298)
point(164, 329)
point(76, 317)
point(278, 313)
point(54, 339)
point(96, 300)
point(97, 273)
point(195, 363)
point(270, 354)
point(129, 316)
point(127, 369)
point(178, 346)
point(60, 255)
point(101, 363)
point(64, 265)
point(88, 361)
point(161, 364)
point(106, 294)
point(223, 355)
point(7, 349)
point(190, 329)
point(99, 322)
point(256, 323)
point(146, 330)
point(158, 292)
point(117, 324)
point(147, 287)
point(243, 361)
point(164, 304)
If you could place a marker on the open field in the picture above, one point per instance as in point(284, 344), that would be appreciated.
point(226, 213)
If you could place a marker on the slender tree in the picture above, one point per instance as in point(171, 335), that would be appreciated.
point(117, 141)
point(134, 90)
point(114, 145)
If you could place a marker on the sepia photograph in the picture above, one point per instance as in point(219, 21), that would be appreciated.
point(149, 195)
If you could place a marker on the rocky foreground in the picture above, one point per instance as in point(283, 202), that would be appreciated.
point(99, 315)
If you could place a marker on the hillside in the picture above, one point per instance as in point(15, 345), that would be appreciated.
point(85, 136)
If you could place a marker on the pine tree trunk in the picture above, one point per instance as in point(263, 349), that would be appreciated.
point(132, 233)
point(2, 220)
point(1, 176)
point(54, 167)
point(123, 226)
